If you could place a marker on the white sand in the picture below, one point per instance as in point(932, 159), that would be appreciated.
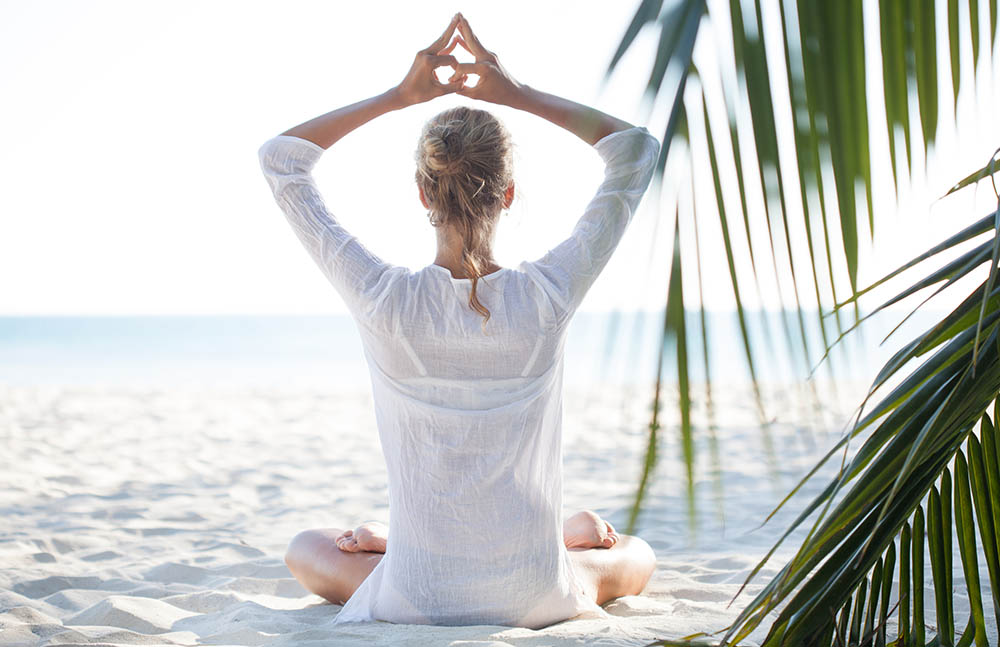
point(161, 517)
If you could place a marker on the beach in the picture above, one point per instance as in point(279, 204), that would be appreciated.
point(148, 496)
point(160, 516)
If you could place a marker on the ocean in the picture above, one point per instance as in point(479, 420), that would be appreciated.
point(325, 350)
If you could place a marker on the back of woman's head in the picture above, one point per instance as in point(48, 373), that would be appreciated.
point(464, 167)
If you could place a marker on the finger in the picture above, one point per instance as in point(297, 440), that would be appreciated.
point(456, 79)
point(456, 82)
point(451, 86)
point(458, 40)
point(474, 45)
point(466, 91)
point(446, 36)
point(472, 68)
point(441, 61)
point(451, 45)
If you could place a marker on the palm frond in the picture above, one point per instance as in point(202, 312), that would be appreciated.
point(903, 469)
point(817, 209)
point(894, 505)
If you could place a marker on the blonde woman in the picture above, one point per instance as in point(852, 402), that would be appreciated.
point(466, 362)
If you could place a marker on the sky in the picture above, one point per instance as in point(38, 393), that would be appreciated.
point(132, 184)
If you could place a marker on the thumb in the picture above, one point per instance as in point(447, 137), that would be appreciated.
point(453, 84)
point(466, 91)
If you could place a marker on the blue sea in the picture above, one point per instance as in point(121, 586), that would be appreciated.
point(325, 350)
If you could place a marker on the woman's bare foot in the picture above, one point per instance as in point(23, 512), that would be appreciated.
point(370, 537)
point(586, 529)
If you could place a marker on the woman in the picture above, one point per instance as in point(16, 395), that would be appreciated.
point(466, 365)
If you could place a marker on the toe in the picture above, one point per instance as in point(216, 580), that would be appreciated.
point(609, 538)
point(588, 530)
point(371, 536)
point(348, 544)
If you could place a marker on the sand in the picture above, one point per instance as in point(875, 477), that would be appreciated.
point(160, 516)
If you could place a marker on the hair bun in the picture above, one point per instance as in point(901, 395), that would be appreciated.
point(443, 152)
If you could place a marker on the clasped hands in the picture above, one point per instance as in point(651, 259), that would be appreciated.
point(421, 83)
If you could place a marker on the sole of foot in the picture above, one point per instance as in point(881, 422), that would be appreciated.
point(369, 537)
point(586, 529)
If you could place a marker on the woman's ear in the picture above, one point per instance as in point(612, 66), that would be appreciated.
point(423, 198)
point(508, 196)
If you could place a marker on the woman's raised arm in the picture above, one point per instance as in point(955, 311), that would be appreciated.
point(497, 86)
point(359, 276)
point(420, 85)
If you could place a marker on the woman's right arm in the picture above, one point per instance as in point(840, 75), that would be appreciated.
point(497, 86)
point(566, 272)
point(589, 124)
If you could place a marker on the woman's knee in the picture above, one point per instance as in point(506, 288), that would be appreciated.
point(644, 556)
point(304, 546)
point(636, 566)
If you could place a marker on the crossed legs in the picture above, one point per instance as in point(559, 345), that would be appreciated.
point(332, 563)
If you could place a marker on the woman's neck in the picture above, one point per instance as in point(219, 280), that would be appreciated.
point(449, 254)
point(457, 271)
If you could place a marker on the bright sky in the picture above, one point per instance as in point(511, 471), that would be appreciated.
point(130, 135)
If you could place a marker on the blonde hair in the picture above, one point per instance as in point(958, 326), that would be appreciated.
point(464, 167)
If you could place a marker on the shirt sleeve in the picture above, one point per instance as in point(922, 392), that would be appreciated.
point(358, 275)
point(566, 272)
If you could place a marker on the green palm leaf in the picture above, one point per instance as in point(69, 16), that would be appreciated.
point(825, 73)
point(903, 467)
point(932, 423)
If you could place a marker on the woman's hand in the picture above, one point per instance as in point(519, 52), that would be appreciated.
point(421, 84)
point(495, 84)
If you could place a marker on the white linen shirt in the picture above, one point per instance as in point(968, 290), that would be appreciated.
point(470, 423)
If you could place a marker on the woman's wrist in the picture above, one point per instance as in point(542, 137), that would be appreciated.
point(394, 99)
point(521, 97)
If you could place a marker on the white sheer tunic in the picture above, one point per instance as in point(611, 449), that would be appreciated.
point(470, 423)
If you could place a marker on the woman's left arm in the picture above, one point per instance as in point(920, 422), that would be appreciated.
point(288, 159)
point(420, 85)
